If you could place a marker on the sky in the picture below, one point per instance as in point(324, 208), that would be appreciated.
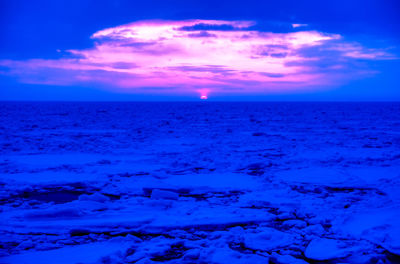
point(187, 50)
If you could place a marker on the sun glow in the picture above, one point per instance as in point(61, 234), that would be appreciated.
point(203, 97)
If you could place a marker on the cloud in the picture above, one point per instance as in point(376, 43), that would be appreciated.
point(194, 56)
point(299, 25)
point(202, 34)
point(224, 26)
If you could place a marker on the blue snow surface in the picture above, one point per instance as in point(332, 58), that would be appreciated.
point(199, 182)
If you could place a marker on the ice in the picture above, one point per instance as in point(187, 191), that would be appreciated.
point(326, 249)
point(199, 183)
point(162, 194)
point(286, 259)
point(86, 253)
point(268, 239)
point(96, 197)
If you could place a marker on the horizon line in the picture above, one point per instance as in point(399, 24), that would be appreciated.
point(202, 101)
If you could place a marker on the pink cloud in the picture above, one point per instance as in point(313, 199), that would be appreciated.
point(201, 56)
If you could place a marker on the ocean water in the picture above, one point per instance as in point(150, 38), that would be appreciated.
point(199, 182)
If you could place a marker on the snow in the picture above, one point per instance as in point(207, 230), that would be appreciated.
point(96, 197)
point(199, 183)
point(87, 253)
point(161, 194)
point(268, 239)
point(325, 249)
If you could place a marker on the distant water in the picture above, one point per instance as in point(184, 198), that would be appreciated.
point(121, 124)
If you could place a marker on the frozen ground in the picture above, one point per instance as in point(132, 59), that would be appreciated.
point(200, 183)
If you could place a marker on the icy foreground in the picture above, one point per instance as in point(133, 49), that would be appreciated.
point(200, 183)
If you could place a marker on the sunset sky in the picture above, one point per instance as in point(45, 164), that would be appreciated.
point(183, 50)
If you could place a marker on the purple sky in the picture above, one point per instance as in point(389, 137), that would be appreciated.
point(217, 58)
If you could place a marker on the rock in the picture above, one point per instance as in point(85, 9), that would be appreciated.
point(162, 194)
point(326, 249)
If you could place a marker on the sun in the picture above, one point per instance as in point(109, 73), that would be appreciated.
point(203, 97)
